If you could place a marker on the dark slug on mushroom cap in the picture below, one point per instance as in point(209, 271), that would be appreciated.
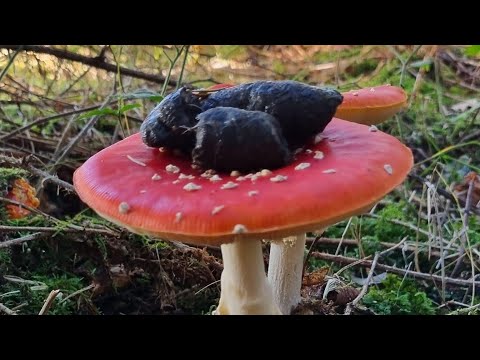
point(235, 139)
point(302, 110)
point(169, 123)
point(296, 112)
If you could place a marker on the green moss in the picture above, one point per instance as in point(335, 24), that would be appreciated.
point(397, 296)
point(363, 67)
point(385, 230)
point(7, 175)
point(5, 260)
point(34, 294)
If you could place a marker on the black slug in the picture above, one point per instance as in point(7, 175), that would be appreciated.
point(234, 139)
point(227, 129)
point(169, 123)
point(302, 110)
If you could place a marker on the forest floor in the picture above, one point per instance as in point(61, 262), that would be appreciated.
point(56, 112)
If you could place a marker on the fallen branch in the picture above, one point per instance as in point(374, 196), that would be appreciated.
point(47, 216)
point(365, 286)
point(352, 242)
point(97, 62)
point(81, 134)
point(352, 305)
point(368, 263)
point(47, 119)
point(21, 240)
point(49, 301)
point(6, 310)
point(46, 176)
point(5, 228)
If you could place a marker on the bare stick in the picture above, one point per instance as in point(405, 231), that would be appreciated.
point(81, 134)
point(91, 286)
point(98, 62)
point(46, 176)
point(305, 262)
point(367, 283)
point(21, 240)
point(5, 228)
point(352, 242)
point(468, 206)
point(10, 62)
point(49, 217)
point(407, 225)
point(49, 301)
point(6, 310)
point(368, 263)
point(46, 119)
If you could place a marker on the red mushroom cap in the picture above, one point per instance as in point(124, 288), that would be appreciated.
point(220, 86)
point(371, 105)
point(344, 174)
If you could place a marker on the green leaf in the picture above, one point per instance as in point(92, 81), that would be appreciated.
point(128, 107)
point(106, 111)
point(156, 98)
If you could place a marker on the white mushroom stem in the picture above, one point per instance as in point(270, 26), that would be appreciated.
point(245, 289)
point(285, 271)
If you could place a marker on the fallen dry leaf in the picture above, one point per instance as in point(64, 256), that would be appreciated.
point(461, 189)
point(24, 193)
point(316, 277)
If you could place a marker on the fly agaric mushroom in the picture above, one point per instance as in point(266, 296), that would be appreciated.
point(347, 171)
point(371, 106)
point(157, 193)
point(368, 106)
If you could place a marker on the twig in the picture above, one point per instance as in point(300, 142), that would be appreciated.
point(5, 228)
point(81, 134)
point(21, 240)
point(353, 304)
point(19, 306)
point(73, 83)
point(49, 301)
point(368, 263)
point(443, 192)
point(407, 225)
point(468, 206)
point(91, 286)
point(420, 74)
point(353, 242)
point(305, 262)
point(46, 176)
point(49, 217)
point(207, 286)
point(180, 77)
point(172, 64)
point(384, 252)
point(406, 62)
point(97, 62)
point(367, 283)
point(6, 310)
point(10, 62)
point(46, 119)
